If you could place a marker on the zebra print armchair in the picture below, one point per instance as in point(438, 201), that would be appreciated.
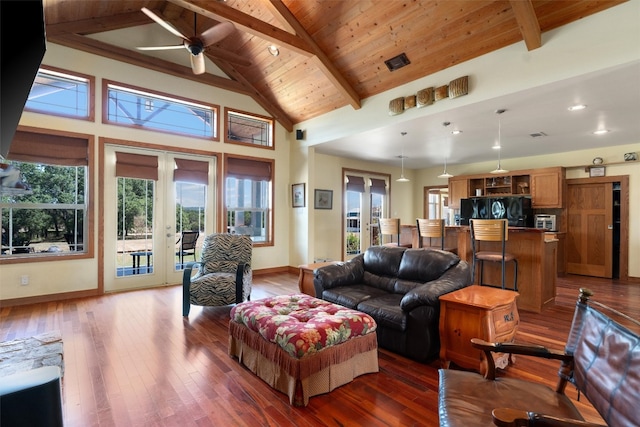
point(223, 273)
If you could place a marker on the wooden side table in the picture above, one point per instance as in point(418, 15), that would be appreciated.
point(481, 312)
point(305, 280)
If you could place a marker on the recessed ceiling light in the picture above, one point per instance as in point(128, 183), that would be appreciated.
point(601, 132)
point(273, 50)
point(577, 107)
point(496, 146)
point(456, 132)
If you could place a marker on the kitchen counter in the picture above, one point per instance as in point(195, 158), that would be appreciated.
point(535, 249)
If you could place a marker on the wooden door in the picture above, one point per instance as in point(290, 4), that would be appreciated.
point(590, 229)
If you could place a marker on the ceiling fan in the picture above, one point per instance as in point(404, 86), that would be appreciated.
point(196, 44)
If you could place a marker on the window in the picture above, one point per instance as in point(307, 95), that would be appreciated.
point(248, 198)
point(246, 128)
point(60, 93)
point(135, 107)
point(43, 196)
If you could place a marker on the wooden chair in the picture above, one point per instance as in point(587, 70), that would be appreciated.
point(491, 230)
point(601, 359)
point(391, 227)
point(432, 229)
point(188, 242)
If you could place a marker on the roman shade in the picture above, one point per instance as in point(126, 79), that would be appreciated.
point(254, 170)
point(140, 166)
point(355, 183)
point(49, 149)
point(193, 171)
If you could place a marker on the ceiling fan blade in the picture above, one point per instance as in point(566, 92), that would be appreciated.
point(180, 46)
point(197, 63)
point(164, 23)
point(216, 33)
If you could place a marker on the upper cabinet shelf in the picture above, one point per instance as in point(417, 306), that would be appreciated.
point(545, 186)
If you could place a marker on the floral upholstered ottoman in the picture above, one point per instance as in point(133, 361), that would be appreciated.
point(303, 346)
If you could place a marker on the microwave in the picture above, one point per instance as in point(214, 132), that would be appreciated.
point(545, 221)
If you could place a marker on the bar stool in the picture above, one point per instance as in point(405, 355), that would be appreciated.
point(491, 230)
point(391, 227)
point(433, 229)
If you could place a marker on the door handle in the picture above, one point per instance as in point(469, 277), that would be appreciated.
point(609, 227)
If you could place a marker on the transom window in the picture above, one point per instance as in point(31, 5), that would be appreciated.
point(247, 128)
point(129, 106)
point(61, 93)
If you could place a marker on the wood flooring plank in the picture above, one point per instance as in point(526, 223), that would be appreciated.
point(131, 359)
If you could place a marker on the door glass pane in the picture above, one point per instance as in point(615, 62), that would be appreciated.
point(353, 222)
point(135, 226)
point(191, 202)
point(377, 207)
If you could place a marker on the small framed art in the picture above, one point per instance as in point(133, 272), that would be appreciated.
point(297, 195)
point(323, 199)
point(596, 171)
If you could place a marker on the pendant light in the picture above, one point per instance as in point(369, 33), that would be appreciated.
point(444, 174)
point(499, 168)
point(402, 178)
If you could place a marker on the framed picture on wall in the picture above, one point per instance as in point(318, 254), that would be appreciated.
point(297, 195)
point(323, 199)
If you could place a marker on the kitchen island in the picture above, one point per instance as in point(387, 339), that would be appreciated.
point(536, 251)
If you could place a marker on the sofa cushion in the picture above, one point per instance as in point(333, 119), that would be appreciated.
point(425, 265)
point(385, 309)
point(383, 260)
point(384, 283)
point(350, 296)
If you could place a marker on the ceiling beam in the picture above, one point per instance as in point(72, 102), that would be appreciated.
point(99, 24)
point(247, 23)
point(527, 22)
point(322, 60)
point(99, 48)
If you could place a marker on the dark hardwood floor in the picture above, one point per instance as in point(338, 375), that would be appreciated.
point(131, 360)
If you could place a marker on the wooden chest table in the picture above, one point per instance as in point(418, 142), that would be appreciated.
point(305, 280)
point(481, 312)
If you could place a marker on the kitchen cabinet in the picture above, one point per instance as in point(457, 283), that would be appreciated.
point(547, 188)
point(458, 189)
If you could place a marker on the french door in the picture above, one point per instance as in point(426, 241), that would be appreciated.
point(365, 200)
point(151, 197)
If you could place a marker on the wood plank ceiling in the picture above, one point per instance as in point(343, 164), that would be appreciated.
point(332, 52)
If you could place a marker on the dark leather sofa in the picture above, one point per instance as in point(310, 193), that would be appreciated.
point(399, 288)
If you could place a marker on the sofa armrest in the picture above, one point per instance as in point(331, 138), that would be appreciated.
point(507, 417)
point(340, 274)
point(429, 293)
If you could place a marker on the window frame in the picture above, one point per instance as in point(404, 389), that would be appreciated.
point(230, 111)
point(154, 93)
point(270, 241)
point(88, 241)
point(91, 88)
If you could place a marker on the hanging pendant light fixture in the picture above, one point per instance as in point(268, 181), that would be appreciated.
point(445, 174)
point(402, 157)
point(499, 168)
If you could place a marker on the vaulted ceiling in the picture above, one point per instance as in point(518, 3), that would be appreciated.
point(332, 53)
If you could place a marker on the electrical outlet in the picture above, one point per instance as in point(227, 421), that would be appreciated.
point(24, 280)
